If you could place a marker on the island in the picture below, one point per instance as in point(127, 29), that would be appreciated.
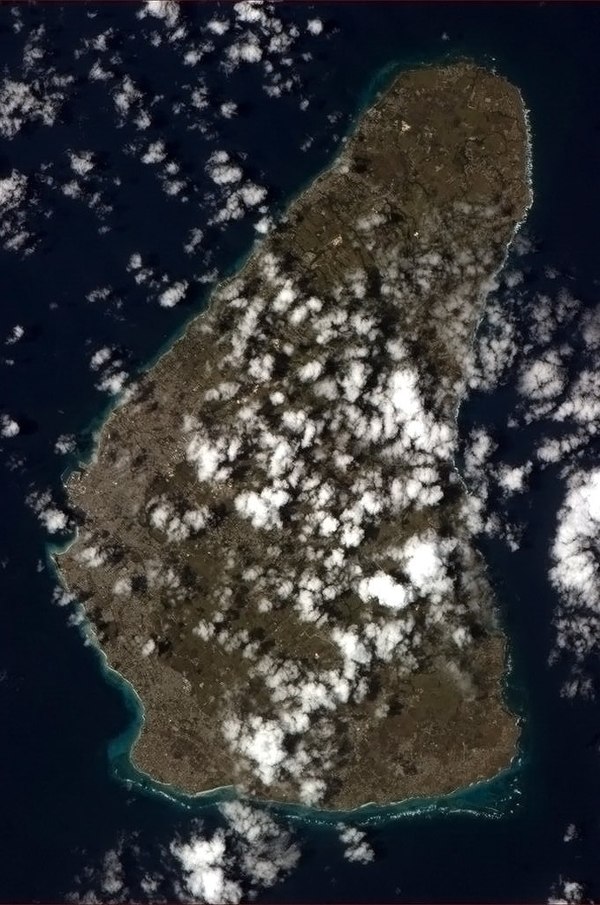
point(275, 546)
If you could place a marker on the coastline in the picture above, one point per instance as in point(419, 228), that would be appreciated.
point(501, 789)
point(120, 747)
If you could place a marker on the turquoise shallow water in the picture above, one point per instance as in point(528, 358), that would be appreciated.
point(492, 798)
point(70, 726)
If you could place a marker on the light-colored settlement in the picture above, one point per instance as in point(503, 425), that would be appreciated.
point(275, 547)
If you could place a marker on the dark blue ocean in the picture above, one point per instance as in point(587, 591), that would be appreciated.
point(64, 800)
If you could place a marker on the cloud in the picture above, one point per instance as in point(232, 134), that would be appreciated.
point(174, 293)
point(82, 162)
point(544, 378)
point(203, 862)
point(14, 204)
point(385, 590)
point(356, 848)
point(65, 443)
point(250, 853)
point(262, 509)
point(394, 438)
point(513, 480)
point(8, 426)
point(546, 343)
point(154, 153)
point(228, 109)
point(314, 26)
point(218, 26)
point(575, 574)
point(167, 10)
point(15, 335)
point(390, 437)
point(30, 102)
point(566, 892)
point(247, 50)
point(113, 383)
point(100, 357)
point(12, 191)
point(221, 169)
point(51, 517)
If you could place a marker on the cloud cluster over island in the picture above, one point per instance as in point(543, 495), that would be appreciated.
point(316, 409)
point(546, 351)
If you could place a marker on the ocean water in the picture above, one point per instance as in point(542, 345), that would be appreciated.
point(68, 797)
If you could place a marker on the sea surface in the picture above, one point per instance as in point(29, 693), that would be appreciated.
point(64, 801)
